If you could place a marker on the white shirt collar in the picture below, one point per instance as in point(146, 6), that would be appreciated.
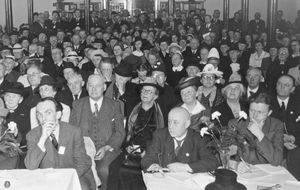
point(92, 104)
point(197, 109)
point(56, 132)
point(1, 80)
point(77, 95)
point(252, 90)
point(286, 101)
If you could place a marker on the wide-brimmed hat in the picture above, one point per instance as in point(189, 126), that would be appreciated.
point(210, 69)
point(98, 52)
point(72, 55)
point(17, 48)
point(150, 81)
point(175, 45)
point(124, 69)
point(190, 81)
point(194, 63)
point(16, 88)
point(67, 65)
point(225, 180)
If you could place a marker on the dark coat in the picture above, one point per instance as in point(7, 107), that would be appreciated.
point(226, 113)
point(74, 23)
point(65, 96)
point(256, 27)
point(289, 116)
point(193, 152)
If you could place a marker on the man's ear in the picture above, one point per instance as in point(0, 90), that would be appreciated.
point(58, 115)
point(187, 123)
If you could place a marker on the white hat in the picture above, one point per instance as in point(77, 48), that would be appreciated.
point(213, 53)
point(175, 45)
point(17, 47)
point(72, 55)
point(99, 52)
point(210, 69)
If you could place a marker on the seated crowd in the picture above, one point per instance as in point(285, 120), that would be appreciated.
point(141, 89)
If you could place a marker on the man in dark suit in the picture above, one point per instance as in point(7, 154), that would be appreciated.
point(286, 108)
point(57, 144)
point(100, 118)
point(75, 91)
point(54, 24)
point(77, 21)
point(192, 52)
point(77, 46)
point(37, 27)
point(254, 83)
point(178, 148)
point(257, 25)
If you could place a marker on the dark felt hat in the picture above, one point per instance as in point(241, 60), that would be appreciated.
point(225, 180)
point(124, 69)
point(67, 65)
point(150, 82)
point(190, 81)
point(16, 88)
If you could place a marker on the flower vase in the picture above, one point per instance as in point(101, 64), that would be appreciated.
point(224, 158)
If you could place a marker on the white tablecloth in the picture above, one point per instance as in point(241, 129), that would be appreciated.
point(261, 175)
point(41, 179)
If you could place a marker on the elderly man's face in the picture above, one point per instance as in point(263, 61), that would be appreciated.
point(56, 55)
point(106, 69)
point(284, 86)
point(259, 112)
point(148, 94)
point(75, 84)
point(283, 54)
point(253, 78)
point(194, 44)
point(46, 112)
point(176, 60)
point(177, 124)
point(188, 95)
point(34, 76)
point(9, 64)
point(68, 73)
point(12, 100)
point(95, 87)
point(192, 71)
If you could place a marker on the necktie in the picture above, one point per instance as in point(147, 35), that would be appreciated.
point(96, 110)
point(178, 142)
point(54, 141)
point(282, 106)
point(251, 93)
point(76, 97)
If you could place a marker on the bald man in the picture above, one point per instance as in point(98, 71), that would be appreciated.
point(100, 118)
point(178, 148)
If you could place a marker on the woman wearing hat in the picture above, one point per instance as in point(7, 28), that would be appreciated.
point(208, 94)
point(8, 134)
point(188, 91)
point(144, 119)
point(232, 105)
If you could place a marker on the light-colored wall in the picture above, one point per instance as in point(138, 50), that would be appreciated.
point(289, 7)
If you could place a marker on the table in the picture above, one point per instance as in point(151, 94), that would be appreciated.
point(260, 175)
point(40, 179)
